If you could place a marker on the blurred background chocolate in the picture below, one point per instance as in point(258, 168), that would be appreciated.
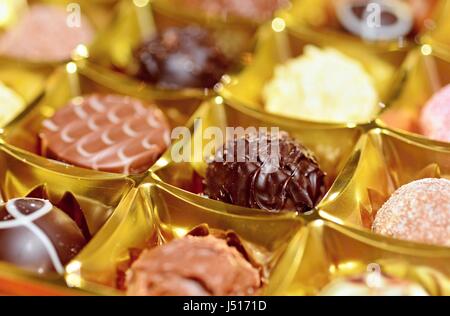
point(38, 236)
point(43, 34)
point(266, 171)
point(372, 284)
point(322, 85)
point(182, 57)
point(418, 211)
point(193, 266)
point(110, 133)
point(255, 10)
point(382, 20)
point(435, 116)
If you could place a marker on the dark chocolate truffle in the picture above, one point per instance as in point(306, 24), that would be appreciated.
point(110, 133)
point(193, 266)
point(36, 235)
point(181, 58)
point(274, 173)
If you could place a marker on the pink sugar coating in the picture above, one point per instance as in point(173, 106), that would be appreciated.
point(435, 116)
point(418, 211)
point(44, 35)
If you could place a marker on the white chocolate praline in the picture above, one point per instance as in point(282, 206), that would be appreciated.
point(322, 85)
point(361, 286)
point(11, 104)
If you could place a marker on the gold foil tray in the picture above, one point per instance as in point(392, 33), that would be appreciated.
point(425, 71)
point(323, 251)
point(154, 214)
point(381, 162)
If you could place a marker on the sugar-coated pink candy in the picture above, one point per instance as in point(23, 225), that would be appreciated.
point(418, 211)
point(435, 116)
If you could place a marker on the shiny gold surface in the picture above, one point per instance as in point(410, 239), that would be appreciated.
point(364, 163)
point(382, 162)
point(323, 251)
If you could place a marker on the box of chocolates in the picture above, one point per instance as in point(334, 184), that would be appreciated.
point(224, 148)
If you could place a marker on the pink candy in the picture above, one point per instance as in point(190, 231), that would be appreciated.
point(435, 116)
point(44, 35)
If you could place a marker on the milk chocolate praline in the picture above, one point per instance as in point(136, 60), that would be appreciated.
point(290, 179)
point(180, 58)
point(195, 265)
point(38, 236)
point(111, 133)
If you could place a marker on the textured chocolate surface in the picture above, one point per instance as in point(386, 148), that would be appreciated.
point(106, 132)
point(181, 58)
point(38, 236)
point(193, 266)
point(295, 183)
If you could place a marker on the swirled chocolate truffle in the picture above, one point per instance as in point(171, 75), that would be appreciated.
point(193, 266)
point(109, 133)
point(38, 236)
point(272, 172)
point(181, 58)
point(418, 211)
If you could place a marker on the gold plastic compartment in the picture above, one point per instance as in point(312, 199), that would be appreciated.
point(14, 281)
point(154, 214)
point(276, 46)
point(425, 71)
point(438, 35)
point(331, 145)
point(318, 16)
point(72, 81)
point(324, 251)
point(28, 85)
point(381, 162)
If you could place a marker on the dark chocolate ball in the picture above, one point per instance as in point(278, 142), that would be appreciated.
point(274, 173)
point(38, 236)
point(181, 58)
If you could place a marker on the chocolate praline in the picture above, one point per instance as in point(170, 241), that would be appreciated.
point(111, 133)
point(181, 58)
point(202, 263)
point(38, 236)
point(285, 175)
